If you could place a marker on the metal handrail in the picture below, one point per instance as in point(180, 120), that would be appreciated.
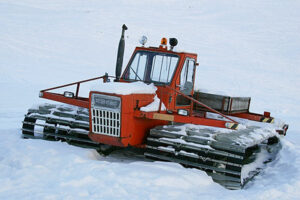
point(105, 77)
point(78, 82)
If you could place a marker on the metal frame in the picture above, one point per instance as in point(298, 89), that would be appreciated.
point(76, 101)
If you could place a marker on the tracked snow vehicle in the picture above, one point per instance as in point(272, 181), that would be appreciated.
point(153, 106)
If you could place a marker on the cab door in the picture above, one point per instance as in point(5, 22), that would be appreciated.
point(186, 83)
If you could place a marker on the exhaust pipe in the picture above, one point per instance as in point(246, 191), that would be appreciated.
point(120, 54)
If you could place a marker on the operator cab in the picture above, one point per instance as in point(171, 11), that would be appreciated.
point(161, 67)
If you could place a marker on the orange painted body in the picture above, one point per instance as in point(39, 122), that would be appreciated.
point(135, 124)
point(133, 129)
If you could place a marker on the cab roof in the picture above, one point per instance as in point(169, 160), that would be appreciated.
point(164, 49)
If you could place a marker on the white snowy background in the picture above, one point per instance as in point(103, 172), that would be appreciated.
point(247, 48)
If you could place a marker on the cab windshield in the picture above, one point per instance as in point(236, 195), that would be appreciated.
point(152, 67)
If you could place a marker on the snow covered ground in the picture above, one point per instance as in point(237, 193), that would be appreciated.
point(246, 48)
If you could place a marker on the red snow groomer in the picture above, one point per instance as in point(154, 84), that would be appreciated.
point(153, 106)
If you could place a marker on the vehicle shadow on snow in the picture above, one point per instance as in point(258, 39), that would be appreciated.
point(126, 155)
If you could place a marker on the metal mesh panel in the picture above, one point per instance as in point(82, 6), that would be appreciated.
point(106, 122)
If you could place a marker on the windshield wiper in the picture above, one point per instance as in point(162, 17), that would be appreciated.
point(136, 75)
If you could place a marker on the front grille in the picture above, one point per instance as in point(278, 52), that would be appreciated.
point(106, 122)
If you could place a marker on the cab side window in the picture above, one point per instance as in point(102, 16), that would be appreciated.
point(187, 76)
point(186, 81)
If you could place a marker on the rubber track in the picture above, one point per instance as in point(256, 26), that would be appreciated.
point(70, 124)
point(196, 149)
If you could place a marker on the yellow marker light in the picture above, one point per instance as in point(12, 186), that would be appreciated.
point(164, 41)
